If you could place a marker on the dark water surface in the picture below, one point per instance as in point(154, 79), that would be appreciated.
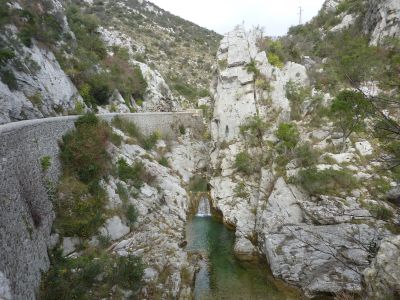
point(222, 276)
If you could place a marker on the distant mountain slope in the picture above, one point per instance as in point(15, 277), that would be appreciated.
point(67, 57)
point(182, 51)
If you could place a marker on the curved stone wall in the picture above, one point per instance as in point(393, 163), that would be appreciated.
point(26, 212)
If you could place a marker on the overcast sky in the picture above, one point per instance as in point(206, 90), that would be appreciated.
point(222, 15)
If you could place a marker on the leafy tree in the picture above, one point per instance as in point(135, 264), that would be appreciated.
point(348, 111)
point(288, 135)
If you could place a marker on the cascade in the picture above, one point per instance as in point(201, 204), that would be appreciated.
point(204, 209)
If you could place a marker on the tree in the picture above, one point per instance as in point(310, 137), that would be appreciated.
point(288, 134)
point(348, 111)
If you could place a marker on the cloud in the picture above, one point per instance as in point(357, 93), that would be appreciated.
point(222, 15)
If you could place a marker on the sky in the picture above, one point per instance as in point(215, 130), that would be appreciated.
point(276, 16)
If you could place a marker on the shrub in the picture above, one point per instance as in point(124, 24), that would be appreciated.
point(164, 162)
point(127, 127)
point(254, 128)
point(79, 208)
point(45, 162)
point(274, 60)
point(36, 99)
point(305, 155)
point(6, 54)
point(349, 111)
point(327, 181)
point(78, 278)
point(288, 135)
point(241, 191)
point(131, 214)
point(122, 193)
point(8, 77)
point(296, 95)
point(149, 142)
point(83, 150)
point(128, 272)
point(251, 67)
point(131, 174)
point(244, 163)
point(116, 139)
point(380, 211)
point(182, 129)
point(223, 64)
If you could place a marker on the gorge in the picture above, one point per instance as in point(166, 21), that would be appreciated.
point(137, 164)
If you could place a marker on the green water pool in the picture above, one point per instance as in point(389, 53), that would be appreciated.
point(221, 275)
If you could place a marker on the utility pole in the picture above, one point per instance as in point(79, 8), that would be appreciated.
point(300, 15)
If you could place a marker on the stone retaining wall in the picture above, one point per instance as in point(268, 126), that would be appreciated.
point(26, 212)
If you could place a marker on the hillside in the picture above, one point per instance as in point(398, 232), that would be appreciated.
point(182, 51)
point(68, 57)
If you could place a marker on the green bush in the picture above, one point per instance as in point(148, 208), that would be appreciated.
point(380, 211)
point(251, 67)
point(78, 278)
point(131, 214)
point(122, 193)
point(296, 95)
point(274, 60)
point(6, 54)
point(80, 209)
point(326, 182)
point(305, 155)
point(8, 77)
point(45, 162)
point(164, 162)
point(254, 129)
point(127, 127)
point(182, 129)
point(348, 111)
point(133, 174)
point(288, 135)
point(150, 141)
point(84, 150)
point(244, 163)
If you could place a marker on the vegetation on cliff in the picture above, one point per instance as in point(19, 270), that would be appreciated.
point(80, 205)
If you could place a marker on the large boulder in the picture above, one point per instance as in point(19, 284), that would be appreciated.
point(321, 259)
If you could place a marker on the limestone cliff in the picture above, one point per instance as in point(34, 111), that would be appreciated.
point(322, 241)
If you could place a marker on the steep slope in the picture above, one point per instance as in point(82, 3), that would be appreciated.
point(298, 190)
point(62, 58)
point(182, 51)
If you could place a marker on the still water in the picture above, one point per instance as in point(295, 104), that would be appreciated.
point(222, 276)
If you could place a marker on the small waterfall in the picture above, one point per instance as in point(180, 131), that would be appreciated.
point(204, 209)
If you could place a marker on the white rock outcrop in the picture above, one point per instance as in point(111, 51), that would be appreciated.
point(43, 89)
point(114, 228)
point(382, 20)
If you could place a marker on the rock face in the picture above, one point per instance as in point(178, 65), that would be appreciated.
point(162, 207)
point(43, 88)
point(5, 291)
point(321, 243)
point(158, 96)
point(382, 278)
point(320, 258)
point(382, 20)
